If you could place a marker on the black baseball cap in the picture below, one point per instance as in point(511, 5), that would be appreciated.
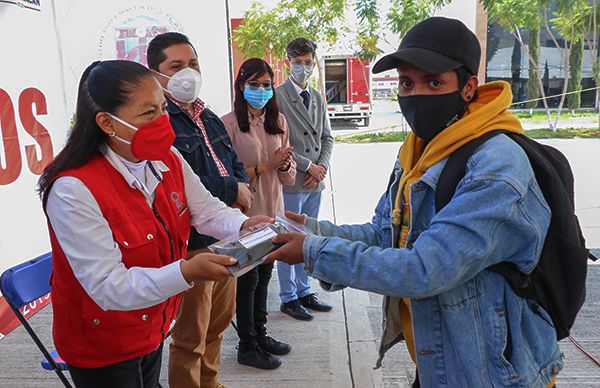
point(436, 45)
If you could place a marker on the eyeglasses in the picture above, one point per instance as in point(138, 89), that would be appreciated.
point(301, 62)
point(258, 84)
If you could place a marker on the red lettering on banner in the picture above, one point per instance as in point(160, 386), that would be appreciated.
point(10, 141)
point(28, 98)
point(11, 167)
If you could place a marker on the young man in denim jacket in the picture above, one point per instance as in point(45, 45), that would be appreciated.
point(464, 326)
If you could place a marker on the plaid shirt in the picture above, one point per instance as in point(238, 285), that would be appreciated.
point(198, 107)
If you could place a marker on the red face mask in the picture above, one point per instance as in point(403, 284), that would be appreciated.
point(151, 141)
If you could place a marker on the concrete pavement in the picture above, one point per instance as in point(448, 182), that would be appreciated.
point(338, 349)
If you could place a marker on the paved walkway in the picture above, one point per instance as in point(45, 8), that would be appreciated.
point(338, 349)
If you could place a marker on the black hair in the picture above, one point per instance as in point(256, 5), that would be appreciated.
point(155, 54)
point(251, 69)
point(300, 46)
point(105, 86)
point(463, 77)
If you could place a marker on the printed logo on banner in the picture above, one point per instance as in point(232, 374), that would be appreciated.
point(128, 32)
point(33, 5)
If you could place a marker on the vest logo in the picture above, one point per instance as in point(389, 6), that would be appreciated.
point(33, 5)
point(176, 198)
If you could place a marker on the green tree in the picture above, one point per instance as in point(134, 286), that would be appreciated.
point(590, 34)
point(515, 67)
point(514, 15)
point(267, 30)
point(574, 100)
point(404, 14)
point(533, 86)
point(567, 20)
point(368, 31)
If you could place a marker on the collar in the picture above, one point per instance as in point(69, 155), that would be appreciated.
point(198, 106)
point(175, 107)
point(256, 120)
point(117, 162)
point(298, 88)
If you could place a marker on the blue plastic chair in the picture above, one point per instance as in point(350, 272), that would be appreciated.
point(23, 284)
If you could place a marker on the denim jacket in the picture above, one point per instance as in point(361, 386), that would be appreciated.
point(470, 328)
point(191, 145)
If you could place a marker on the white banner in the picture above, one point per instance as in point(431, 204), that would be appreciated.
point(33, 124)
point(46, 45)
point(121, 29)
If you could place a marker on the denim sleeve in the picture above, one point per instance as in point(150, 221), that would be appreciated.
point(223, 187)
point(239, 170)
point(369, 233)
point(461, 241)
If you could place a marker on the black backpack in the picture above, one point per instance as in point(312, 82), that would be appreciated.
point(557, 283)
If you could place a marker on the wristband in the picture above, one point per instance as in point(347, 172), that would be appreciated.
point(256, 172)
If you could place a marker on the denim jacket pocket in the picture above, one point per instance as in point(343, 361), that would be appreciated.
point(187, 144)
point(502, 349)
point(223, 148)
point(540, 311)
point(461, 296)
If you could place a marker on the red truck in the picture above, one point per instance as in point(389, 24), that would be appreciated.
point(347, 86)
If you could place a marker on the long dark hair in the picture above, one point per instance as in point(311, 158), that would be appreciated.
point(255, 68)
point(105, 86)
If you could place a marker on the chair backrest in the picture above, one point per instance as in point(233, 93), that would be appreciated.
point(27, 281)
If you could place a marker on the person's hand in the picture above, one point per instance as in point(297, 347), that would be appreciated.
point(255, 220)
point(310, 182)
point(244, 197)
point(318, 171)
point(299, 218)
point(287, 164)
point(291, 251)
point(206, 266)
point(278, 159)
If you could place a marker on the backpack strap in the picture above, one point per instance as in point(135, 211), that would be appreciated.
point(455, 169)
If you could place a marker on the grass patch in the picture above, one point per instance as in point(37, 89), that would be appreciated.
point(567, 133)
point(393, 137)
point(542, 117)
point(383, 137)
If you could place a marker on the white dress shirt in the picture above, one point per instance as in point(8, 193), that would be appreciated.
point(299, 89)
point(95, 258)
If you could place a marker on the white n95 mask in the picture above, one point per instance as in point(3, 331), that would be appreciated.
point(184, 85)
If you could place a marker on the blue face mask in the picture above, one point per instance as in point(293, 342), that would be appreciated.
point(257, 97)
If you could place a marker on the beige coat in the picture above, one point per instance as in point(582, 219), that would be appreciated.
point(254, 147)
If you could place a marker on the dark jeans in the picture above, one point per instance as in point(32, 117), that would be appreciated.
point(251, 310)
point(141, 372)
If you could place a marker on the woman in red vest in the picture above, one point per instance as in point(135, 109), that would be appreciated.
point(120, 202)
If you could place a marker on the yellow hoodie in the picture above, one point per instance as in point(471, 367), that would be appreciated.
point(489, 112)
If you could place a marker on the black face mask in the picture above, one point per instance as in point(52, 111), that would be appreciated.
point(430, 114)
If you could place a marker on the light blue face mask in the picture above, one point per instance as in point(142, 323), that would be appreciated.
point(257, 97)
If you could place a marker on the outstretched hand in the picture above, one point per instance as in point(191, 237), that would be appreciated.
point(299, 218)
point(291, 251)
point(255, 220)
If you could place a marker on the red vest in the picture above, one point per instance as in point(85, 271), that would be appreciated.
point(84, 334)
